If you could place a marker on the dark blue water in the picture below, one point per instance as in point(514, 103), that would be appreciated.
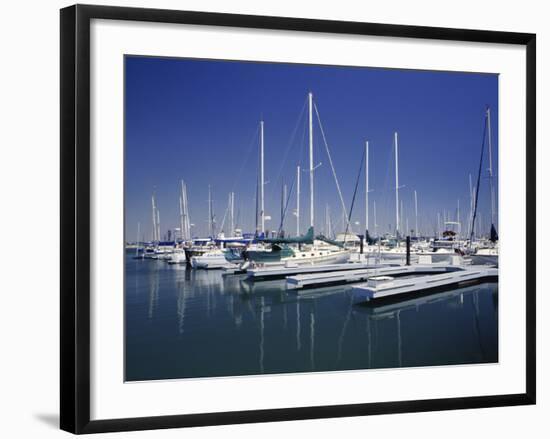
point(183, 323)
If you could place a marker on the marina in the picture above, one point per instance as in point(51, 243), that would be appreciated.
point(321, 252)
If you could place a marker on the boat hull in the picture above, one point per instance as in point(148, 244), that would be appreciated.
point(208, 262)
point(331, 258)
point(178, 258)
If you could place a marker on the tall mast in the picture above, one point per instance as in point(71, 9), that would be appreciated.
point(182, 212)
point(396, 186)
point(491, 182)
point(458, 217)
point(181, 217)
point(366, 188)
point(262, 211)
point(186, 213)
point(210, 224)
point(311, 213)
point(471, 208)
point(298, 201)
point(154, 213)
point(415, 214)
point(256, 201)
point(375, 223)
point(158, 225)
point(137, 242)
point(232, 212)
point(283, 198)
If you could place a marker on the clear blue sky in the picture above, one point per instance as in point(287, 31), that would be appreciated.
point(198, 120)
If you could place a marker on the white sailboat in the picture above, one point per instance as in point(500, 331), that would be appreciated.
point(300, 250)
point(487, 251)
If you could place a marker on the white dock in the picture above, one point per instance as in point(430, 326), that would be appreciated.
point(284, 271)
point(312, 280)
point(228, 271)
point(384, 286)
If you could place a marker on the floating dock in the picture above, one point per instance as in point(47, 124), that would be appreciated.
point(384, 286)
point(335, 277)
point(284, 271)
point(227, 271)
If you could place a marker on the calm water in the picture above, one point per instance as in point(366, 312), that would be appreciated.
point(184, 323)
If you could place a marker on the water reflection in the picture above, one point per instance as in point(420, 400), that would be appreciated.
point(427, 322)
point(153, 293)
point(200, 323)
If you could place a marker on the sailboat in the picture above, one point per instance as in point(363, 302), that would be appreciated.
point(389, 249)
point(227, 250)
point(178, 255)
point(487, 252)
point(305, 249)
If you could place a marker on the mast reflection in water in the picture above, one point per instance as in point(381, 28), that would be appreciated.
point(183, 323)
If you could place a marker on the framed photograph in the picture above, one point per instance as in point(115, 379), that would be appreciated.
point(268, 218)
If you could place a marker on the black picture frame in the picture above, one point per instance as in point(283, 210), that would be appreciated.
point(75, 217)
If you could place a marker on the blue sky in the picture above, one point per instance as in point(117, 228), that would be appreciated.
point(198, 120)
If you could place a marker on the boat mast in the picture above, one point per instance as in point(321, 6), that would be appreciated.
point(491, 182)
point(181, 217)
point(158, 224)
point(471, 207)
point(375, 223)
point(311, 213)
point(232, 212)
point(458, 217)
point(366, 189)
point(283, 200)
point(137, 242)
point(210, 224)
point(415, 214)
point(186, 213)
point(154, 213)
point(298, 201)
point(285, 205)
point(486, 127)
point(396, 187)
point(182, 212)
point(256, 202)
point(262, 211)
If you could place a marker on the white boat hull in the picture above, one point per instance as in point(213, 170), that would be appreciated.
point(208, 262)
point(178, 258)
point(332, 258)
